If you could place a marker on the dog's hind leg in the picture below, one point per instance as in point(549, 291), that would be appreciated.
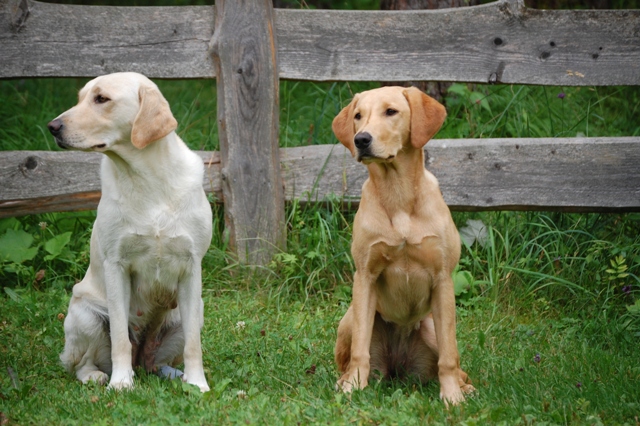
point(169, 353)
point(379, 349)
point(87, 350)
point(161, 344)
point(342, 351)
point(89, 372)
point(171, 345)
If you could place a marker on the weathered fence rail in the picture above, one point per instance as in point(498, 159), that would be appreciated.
point(247, 46)
point(498, 42)
point(572, 174)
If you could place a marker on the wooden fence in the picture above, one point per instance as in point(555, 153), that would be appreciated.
point(248, 46)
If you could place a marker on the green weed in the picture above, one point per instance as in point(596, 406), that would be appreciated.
point(39, 252)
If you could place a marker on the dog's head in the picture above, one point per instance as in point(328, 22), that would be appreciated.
point(380, 123)
point(113, 109)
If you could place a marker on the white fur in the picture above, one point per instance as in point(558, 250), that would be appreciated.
point(152, 229)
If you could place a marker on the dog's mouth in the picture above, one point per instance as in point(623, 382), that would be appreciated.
point(367, 158)
point(62, 144)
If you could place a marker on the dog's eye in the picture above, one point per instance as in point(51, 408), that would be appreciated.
point(99, 99)
point(390, 111)
point(358, 116)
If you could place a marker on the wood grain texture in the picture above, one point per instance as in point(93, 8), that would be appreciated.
point(53, 181)
point(573, 174)
point(555, 174)
point(567, 174)
point(43, 181)
point(56, 40)
point(501, 42)
point(244, 54)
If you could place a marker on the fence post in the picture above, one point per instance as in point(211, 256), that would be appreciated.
point(243, 49)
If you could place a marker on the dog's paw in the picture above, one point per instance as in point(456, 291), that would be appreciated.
point(452, 398)
point(348, 383)
point(200, 382)
point(467, 389)
point(450, 391)
point(96, 376)
point(121, 380)
point(204, 387)
point(465, 383)
point(343, 386)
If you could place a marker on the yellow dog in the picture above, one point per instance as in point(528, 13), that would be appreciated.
point(405, 246)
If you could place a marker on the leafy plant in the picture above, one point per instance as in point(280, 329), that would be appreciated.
point(617, 272)
point(16, 246)
point(464, 286)
point(33, 251)
point(56, 245)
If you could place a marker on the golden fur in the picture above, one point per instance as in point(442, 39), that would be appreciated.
point(405, 246)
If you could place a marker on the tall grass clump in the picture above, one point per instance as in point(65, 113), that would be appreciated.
point(562, 264)
point(307, 110)
point(481, 111)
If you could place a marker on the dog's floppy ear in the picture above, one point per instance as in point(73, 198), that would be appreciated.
point(343, 126)
point(154, 120)
point(427, 116)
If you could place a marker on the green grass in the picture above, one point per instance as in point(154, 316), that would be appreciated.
point(536, 354)
point(307, 110)
point(548, 310)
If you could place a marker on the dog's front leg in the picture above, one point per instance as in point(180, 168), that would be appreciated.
point(444, 317)
point(364, 311)
point(118, 287)
point(191, 313)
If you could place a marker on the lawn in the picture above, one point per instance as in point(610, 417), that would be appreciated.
point(548, 304)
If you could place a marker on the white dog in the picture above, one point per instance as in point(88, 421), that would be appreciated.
point(140, 301)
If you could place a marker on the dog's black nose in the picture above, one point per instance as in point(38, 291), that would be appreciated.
point(55, 127)
point(362, 140)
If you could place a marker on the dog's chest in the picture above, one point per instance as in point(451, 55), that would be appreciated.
point(158, 251)
point(400, 234)
point(405, 260)
point(403, 231)
point(405, 281)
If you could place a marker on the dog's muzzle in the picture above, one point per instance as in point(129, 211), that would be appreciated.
point(55, 127)
point(363, 141)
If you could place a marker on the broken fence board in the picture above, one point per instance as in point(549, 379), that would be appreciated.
point(563, 174)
